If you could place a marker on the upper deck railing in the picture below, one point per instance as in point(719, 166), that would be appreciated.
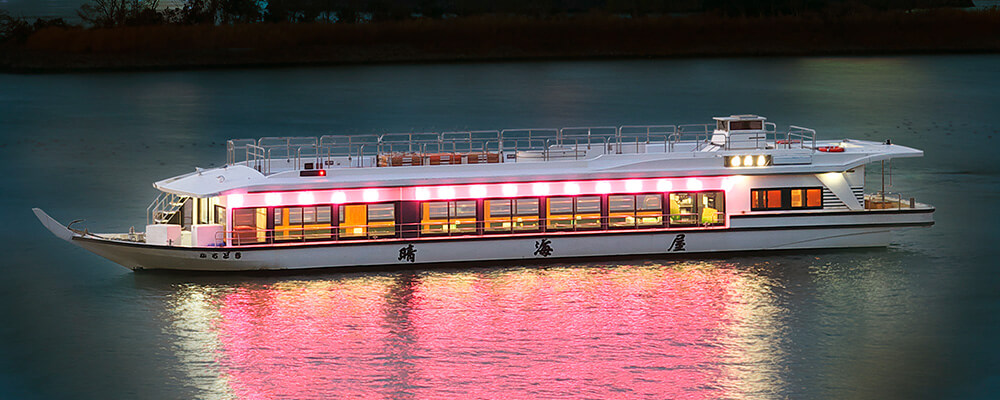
point(535, 144)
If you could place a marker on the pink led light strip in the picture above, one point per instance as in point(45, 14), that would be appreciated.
point(477, 191)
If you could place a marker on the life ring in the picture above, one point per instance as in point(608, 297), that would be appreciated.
point(831, 149)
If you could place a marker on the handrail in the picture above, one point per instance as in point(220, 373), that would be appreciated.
point(164, 204)
point(152, 206)
point(647, 132)
point(513, 144)
point(802, 134)
point(885, 198)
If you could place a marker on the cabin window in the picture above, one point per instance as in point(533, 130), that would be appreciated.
point(581, 212)
point(204, 212)
point(786, 199)
point(220, 216)
point(712, 207)
point(444, 217)
point(630, 211)
point(697, 208)
point(298, 223)
point(249, 226)
point(720, 125)
point(746, 125)
point(367, 220)
point(682, 209)
point(506, 215)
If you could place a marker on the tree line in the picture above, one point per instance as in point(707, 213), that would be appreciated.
point(114, 13)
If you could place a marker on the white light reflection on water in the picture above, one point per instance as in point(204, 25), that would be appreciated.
point(685, 330)
point(191, 318)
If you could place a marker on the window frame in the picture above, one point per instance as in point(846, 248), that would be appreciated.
point(368, 225)
point(284, 230)
point(530, 221)
point(698, 214)
point(786, 198)
point(451, 214)
point(258, 235)
point(638, 212)
point(571, 221)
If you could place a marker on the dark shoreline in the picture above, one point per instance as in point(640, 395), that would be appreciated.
point(5, 69)
point(160, 48)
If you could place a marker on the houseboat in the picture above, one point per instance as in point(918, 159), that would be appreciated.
point(391, 200)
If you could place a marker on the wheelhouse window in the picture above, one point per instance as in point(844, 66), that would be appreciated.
point(448, 217)
point(510, 215)
point(630, 211)
point(302, 223)
point(697, 208)
point(746, 125)
point(249, 226)
point(367, 220)
point(786, 199)
point(580, 212)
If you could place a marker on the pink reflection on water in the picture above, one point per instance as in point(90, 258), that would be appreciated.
point(573, 333)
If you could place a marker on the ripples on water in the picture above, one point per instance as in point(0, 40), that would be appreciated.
point(653, 330)
point(688, 329)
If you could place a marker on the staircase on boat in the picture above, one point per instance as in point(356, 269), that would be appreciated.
point(165, 208)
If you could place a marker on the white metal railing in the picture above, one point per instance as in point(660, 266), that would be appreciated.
point(888, 201)
point(799, 135)
point(538, 144)
point(163, 208)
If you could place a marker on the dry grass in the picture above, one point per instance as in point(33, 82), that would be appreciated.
point(501, 38)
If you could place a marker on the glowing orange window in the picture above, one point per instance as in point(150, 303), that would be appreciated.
point(773, 199)
point(814, 197)
point(797, 198)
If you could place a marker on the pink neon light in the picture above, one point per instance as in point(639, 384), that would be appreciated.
point(446, 192)
point(422, 193)
point(546, 188)
point(272, 199)
point(509, 190)
point(633, 185)
point(694, 184)
point(306, 198)
point(603, 187)
point(477, 191)
point(540, 188)
point(727, 183)
point(571, 188)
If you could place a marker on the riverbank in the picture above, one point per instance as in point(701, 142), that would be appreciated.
point(492, 38)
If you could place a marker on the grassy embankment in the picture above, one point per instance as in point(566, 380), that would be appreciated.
point(493, 38)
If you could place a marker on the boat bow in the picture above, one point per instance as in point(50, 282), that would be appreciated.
point(54, 226)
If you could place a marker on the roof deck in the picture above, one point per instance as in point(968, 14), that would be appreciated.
point(270, 155)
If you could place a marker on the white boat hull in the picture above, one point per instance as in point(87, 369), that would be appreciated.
point(758, 232)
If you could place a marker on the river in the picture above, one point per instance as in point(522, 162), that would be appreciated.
point(918, 319)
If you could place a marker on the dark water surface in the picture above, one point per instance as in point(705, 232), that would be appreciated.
point(916, 320)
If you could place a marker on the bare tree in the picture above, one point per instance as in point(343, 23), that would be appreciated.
point(115, 12)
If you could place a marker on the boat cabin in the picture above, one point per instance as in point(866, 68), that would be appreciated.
point(516, 182)
point(741, 131)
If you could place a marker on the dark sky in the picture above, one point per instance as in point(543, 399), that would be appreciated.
point(54, 8)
